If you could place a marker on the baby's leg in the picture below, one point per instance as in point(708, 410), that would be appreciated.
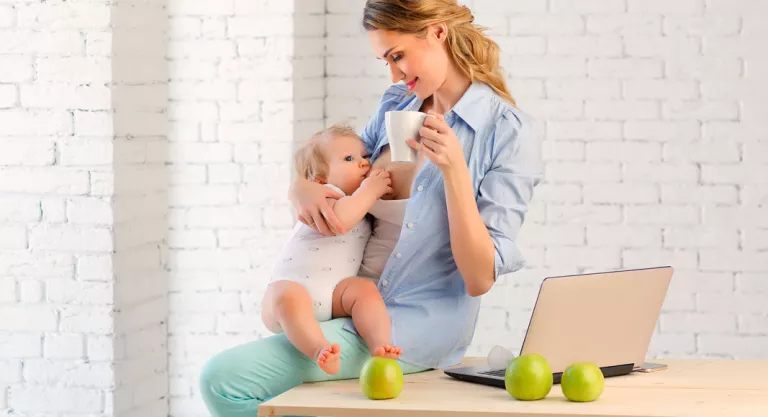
point(288, 307)
point(360, 299)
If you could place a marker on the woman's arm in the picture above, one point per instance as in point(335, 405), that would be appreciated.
point(310, 200)
point(471, 244)
point(483, 229)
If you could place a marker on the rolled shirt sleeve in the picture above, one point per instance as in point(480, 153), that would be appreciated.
point(507, 188)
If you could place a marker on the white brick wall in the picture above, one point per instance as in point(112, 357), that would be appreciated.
point(48, 83)
point(653, 148)
point(76, 123)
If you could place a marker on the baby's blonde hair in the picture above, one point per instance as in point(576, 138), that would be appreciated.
point(310, 159)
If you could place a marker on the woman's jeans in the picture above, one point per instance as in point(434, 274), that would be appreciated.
point(234, 382)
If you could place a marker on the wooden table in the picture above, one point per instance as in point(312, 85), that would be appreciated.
point(717, 388)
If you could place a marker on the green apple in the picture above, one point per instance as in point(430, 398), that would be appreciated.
point(381, 378)
point(528, 377)
point(582, 382)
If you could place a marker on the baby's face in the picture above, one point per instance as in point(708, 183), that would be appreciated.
point(348, 163)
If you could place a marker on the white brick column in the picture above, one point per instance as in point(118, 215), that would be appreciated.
point(83, 292)
point(55, 209)
point(140, 204)
point(246, 80)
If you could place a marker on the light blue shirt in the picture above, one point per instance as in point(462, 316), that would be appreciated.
point(433, 317)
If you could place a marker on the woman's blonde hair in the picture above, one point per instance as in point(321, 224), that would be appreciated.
point(310, 159)
point(476, 54)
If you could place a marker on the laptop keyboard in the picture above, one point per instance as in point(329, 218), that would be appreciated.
point(495, 372)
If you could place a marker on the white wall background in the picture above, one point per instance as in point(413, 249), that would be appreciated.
point(142, 199)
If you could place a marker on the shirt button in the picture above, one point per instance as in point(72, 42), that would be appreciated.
point(385, 283)
point(420, 188)
point(398, 255)
point(410, 225)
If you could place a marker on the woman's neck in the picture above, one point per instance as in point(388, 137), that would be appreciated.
point(450, 92)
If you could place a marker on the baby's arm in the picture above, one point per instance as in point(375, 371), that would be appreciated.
point(351, 209)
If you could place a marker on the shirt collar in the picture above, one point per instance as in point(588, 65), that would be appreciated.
point(469, 106)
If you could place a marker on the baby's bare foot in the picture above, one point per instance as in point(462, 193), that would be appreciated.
point(387, 351)
point(328, 359)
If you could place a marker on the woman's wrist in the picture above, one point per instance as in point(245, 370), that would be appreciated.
point(295, 189)
point(459, 192)
point(454, 173)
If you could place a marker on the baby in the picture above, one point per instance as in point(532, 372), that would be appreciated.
point(315, 277)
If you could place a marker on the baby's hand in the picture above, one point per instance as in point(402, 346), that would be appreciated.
point(378, 182)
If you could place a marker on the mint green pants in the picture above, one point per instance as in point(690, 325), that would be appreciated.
point(234, 382)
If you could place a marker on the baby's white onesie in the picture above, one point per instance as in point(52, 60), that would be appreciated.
point(320, 262)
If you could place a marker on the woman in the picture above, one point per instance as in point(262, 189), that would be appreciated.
point(467, 195)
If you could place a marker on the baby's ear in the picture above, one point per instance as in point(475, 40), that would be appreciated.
point(319, 180)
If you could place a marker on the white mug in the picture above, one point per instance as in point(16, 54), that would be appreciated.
point(402, 125)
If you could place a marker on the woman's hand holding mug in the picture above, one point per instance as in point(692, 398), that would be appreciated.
point(439, 143)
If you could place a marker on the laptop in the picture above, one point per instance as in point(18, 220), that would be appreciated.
point(607, 318)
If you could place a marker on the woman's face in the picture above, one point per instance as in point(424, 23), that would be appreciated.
point(420, 62)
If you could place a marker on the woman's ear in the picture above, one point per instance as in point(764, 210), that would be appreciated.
point(439, 32)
